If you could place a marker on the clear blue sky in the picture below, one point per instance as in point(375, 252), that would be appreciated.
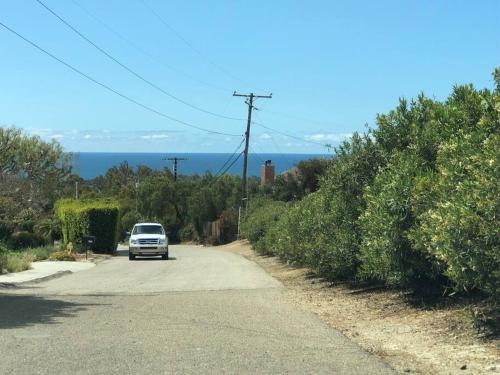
point(331, 66)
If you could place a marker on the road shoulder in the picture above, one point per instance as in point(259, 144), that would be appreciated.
point(411, 339)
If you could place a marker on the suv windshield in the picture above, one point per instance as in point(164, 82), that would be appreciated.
point(148, 229)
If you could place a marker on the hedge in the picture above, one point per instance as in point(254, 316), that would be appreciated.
point(96, 217)
point(413, 203)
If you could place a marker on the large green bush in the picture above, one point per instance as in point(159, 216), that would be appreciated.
point(413, 204)
point(337, 242)
point(23, 240)
point(99, 218)
point(462, 229)
point(387, 253)
point(256, 224)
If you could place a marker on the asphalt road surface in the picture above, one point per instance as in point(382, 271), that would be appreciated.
point(204, 311)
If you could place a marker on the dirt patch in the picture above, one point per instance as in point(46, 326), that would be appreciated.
point(419, 340)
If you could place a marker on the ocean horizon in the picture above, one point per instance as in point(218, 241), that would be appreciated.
point(92, 164)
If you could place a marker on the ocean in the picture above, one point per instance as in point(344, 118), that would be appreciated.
point(92, 164)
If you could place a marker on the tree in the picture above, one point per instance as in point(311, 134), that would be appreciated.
point(33, 173)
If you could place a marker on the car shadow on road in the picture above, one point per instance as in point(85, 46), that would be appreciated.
point(124, 253)
point(17, 311)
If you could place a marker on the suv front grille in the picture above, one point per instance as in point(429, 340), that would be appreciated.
point(148, 241)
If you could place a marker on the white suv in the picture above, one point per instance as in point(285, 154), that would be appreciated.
point(148, 239)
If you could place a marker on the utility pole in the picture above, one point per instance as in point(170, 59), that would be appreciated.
point(176, 159)
point(76, 190)
point(250, 98)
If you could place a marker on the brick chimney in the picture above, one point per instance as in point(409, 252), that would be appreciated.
point(267, 173)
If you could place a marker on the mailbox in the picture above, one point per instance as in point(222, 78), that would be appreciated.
point(88, 243)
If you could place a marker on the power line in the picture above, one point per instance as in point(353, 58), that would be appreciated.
point(256, 154)
point(229, 166)
point(144, 106)
point(190, 45)
point(130, 70)
point(230, 157)
point(327, 145)
point(143, 51)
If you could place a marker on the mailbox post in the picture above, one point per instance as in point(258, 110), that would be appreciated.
point(88, 241)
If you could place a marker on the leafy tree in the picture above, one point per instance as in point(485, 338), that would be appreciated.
point(33, 173)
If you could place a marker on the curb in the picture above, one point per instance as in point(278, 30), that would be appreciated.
point(37, 280)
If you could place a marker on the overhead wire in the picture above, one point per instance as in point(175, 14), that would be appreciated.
point(190, 45)
point(326, 145)
point(280, 153)
point(130, 70)
point(230, 165)
point(116, 92)
point(143, 51)
point(230, 157)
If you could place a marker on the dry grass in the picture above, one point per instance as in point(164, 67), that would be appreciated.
point(411, 337)
point(15, 262)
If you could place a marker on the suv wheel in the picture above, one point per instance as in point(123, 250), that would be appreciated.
point(131, 256)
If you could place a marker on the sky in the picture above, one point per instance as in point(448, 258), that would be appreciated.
point(331, 66)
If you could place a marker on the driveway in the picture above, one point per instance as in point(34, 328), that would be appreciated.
point(204, 311)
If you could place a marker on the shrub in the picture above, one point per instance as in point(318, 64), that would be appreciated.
point(228, 226)
point(3, 257)
point(61, 256)
point(6, 229)
point(17, 262)
point(338, 239)
point(187, 233)
point(49, 229)
point(128, 220)
point(386, 251)
point(99, 218)
point(41, 253)
point(462, 228)
point(255, 225)
point(23, 240)
point(321, 230)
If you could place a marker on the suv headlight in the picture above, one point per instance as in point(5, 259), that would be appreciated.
point(133, 242)
point(162, 241)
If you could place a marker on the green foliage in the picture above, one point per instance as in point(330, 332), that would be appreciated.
point(413, 204)
point(321, 230)
point(256, 224)
point(301, 180)
point(99, 218)
point(33, 173)
point(461, 229)
point(49, 229)
point(40, 253)
point(337, 245)
point(387, 253)
point(187, 233)
point(211, 197)
point(6, 229)
point(228, 226)
point(22, 240)
point(62, 256)
point(17, 262)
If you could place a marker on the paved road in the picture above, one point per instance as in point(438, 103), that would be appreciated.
point(205, 312)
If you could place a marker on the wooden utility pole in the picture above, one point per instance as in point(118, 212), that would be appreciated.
point(250, 98)
point(176, 159)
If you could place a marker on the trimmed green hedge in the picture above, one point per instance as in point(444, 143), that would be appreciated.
point(96, 217)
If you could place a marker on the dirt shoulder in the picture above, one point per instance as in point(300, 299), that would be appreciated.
point(419, 340)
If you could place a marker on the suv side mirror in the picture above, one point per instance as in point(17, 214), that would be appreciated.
point(127, 233)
